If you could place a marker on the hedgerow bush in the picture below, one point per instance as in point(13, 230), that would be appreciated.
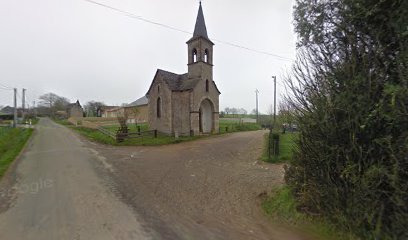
point(350, 91)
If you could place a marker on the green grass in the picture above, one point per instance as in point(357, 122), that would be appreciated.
point(63, 122)
point(237, 127)
point(34, 121)
point(94, 135)
point(132, 127)
point(12, 140)
point(161, 139)
point(97, 136)
point(281, 206)
point(286, 146)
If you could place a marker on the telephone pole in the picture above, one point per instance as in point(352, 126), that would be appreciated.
point(23, 104)
point(274, 100)
point(34, 109)
point(257, 113)
point(15, 108)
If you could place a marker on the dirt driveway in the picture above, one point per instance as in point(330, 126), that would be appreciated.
point(205, 189)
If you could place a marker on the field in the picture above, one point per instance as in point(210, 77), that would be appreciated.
point(228, 126)
point(12, 140)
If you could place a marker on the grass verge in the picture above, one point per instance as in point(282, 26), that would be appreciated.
point(12, 141)
point(161, 139)
point(281, 206)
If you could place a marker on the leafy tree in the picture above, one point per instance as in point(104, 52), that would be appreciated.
point(349, 89)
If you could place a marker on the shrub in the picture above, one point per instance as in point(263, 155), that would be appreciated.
point(350, 91)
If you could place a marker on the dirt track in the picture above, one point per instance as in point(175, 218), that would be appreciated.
point(205, 189)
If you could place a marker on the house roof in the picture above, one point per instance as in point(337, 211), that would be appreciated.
point(106, 107)
point(7, 110)
point(74, 104)
point(175, 82)
point(139, 102)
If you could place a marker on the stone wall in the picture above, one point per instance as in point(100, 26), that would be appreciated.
point(181, 113)
point(200, 94)
point(76, 111)
point(164, 123)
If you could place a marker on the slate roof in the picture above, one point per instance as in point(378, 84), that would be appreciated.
point(200, 30)
point(177, 82)
point(74, 104)
point(7, 110)
point(139, 102)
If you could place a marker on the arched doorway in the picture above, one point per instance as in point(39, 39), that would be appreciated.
point(206, 116)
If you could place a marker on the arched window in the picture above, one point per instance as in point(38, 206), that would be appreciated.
point(158, 88)
point(194, 55)
point(207, 85)
point(158, 107)
point(206, 56)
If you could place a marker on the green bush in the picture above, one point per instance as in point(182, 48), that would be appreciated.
point(350, 91)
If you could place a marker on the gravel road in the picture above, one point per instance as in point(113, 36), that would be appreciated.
point(204, 189)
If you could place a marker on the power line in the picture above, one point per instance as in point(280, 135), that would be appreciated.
point(140, 18)
point(4, 87)
point(132, 15)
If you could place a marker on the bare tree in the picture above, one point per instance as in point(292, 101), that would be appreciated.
point(53, 103)
point(91, 108)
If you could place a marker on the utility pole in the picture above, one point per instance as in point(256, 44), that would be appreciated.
point(15, 108)
point(34, 109)
point(23, 104)
point(257, 113)
point(274, 100)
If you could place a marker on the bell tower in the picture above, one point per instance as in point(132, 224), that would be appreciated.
point(200, 50)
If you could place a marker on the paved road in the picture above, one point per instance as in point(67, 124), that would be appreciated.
point(59, 195)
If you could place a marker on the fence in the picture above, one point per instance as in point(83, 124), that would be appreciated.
point(273, 145)
point(121, 136)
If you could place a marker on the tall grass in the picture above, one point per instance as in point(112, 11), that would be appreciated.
point(12, 140)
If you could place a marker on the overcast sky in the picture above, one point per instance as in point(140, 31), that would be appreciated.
point(83, 51)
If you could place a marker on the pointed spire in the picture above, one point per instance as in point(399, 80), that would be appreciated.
point(200, 29)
